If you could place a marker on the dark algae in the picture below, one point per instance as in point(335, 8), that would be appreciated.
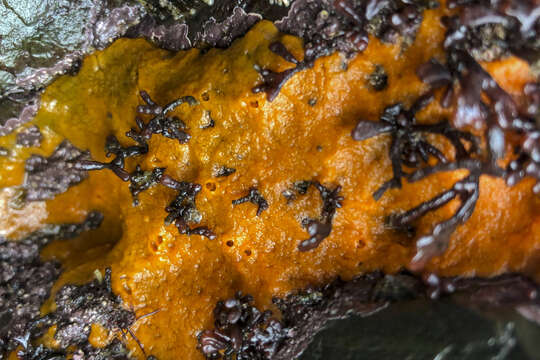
point(141, 180)
point(241, 332)
point(274, 81)
point(254, 197)
point(466, 190)
point(299, 188)
point(499, 118)
point(117, 164)
point(182, 210)
point(320, 229)
point(409, 145)
point(170, 127)
point(223, 171)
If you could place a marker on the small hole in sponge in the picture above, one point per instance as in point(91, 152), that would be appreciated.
point(205, 96)
point(211, 186)
point(230, 243)
point(247, 252)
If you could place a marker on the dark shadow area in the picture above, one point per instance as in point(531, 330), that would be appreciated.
point(418, 330)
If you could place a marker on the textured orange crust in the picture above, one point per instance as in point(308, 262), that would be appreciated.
point(271, 146)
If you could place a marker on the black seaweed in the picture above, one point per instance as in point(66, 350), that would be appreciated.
point(480, 104)
point(255, 197)
point(223, 171)
point(26, 280)
point(242, 332)
point(410, 149)
point(48, 177)
point(182, 210)
point(320, 229)
point(409, 146)
point(170, 127)
point(299, 187)
point(117, 164)
point(488, 29)
point(29, 137)
point(274, 81)
point(143, 180)
point(466, 190)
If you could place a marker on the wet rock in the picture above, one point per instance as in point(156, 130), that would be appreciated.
point(26, 280)
point(29, 137)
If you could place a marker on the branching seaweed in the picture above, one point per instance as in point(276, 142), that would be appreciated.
point(222, 171)
point(117, 164)
point(320, 229)
point(480, 103)
point(255, 197)
point(300, 187)
point(274, 81)
point(466, 190)
point(182, 209)
point(170, 127)
point(409, 147)
point(497, 26)
point(143, 180)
